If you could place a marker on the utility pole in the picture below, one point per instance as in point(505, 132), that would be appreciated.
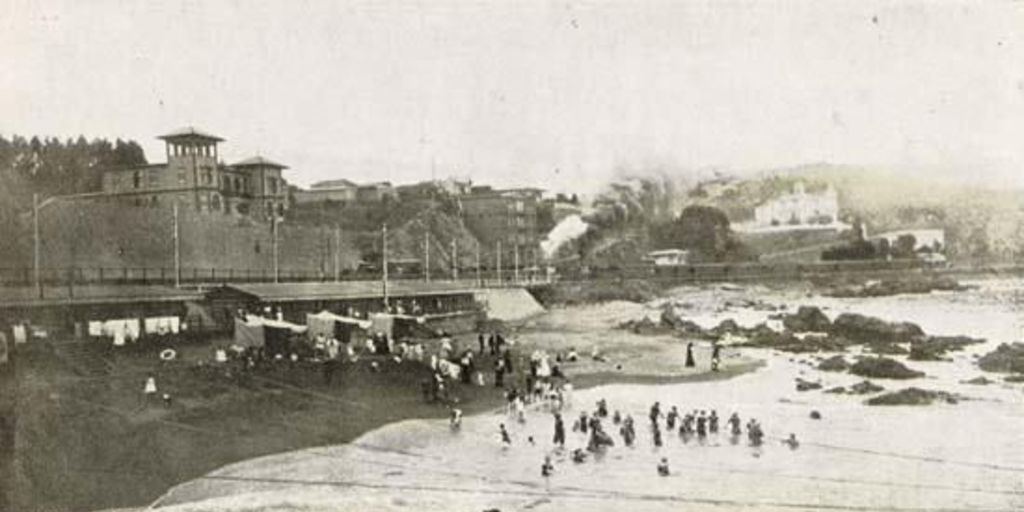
point(384, 257)
point(35, 244)
point(497, 254)
point(479, 280)
point(516, 267)
point(426, 256)
point(277, 268)
point(455, 259)
point(337, 253)
point(177, 248)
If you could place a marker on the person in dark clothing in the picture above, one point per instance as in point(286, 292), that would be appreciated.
point(505, 438)
point(480, 340)
point(663, 467)
point(499, 373)
point(656, 431)
point(584, 422)
point(602, 408)
point(655, 412)
point(716, 356)
point(547, 468)
point(689, 355)
point(507, 357)
point(670, 418)
point(702, 431)
point(559, 438)
point(628, 434)
point(734, 424)
point(713, 422)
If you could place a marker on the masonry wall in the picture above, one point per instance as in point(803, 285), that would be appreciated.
point(112, 236)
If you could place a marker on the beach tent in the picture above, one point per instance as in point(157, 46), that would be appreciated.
point(273, 335)
point(340, 327)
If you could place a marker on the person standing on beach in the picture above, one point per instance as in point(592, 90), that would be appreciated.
point(499, 373)
point(689, 355)
point(713, 422)
point(505, 438)
point(559, 438)
point(716, 356)
point(480, 341)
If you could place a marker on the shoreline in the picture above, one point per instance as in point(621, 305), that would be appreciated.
point(495, 405)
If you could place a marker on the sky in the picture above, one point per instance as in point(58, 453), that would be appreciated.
point(561, 95)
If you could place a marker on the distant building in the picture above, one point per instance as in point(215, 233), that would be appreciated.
point(345, 191)
point(341, 191)
point(924, 239)
point(669, 257)
point(506, 217)
point(799, 208)
point(194, 176)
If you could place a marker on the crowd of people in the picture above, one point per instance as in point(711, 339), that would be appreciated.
point(696, 425)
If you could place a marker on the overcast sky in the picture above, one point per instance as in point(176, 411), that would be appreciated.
point(555, 94)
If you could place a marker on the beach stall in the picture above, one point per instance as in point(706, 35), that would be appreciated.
point(342, 328)
point(273, 335)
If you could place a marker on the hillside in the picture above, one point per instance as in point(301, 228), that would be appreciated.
point(981, 224)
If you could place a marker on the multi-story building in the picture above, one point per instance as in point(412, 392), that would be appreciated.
point(799, 208)
point(194, 175)
point(505, 220)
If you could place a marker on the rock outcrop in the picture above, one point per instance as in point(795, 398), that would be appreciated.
point(1006, 358)
point(883, 368)
point(913, 396)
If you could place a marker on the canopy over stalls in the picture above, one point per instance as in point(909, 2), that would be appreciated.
point(329, 324)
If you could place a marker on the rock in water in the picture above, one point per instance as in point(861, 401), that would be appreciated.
point(806, 385)
point(835, 363)
point(807, 319)
point(1006, 358)
point(883, 368)
point(865, 387)
point(870, 330)
point(978, 381)
point(934, 348)
point(912, 396)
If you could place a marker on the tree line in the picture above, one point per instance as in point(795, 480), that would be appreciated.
point(50, 166)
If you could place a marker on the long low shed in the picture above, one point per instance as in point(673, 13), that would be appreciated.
point(348, 298)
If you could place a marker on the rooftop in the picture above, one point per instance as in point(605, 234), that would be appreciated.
point(329, 184)
point(345, 290)
point(190, 133)
point(94, 294)
point(259, 161)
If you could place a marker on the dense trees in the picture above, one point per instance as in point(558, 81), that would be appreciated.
point(704, 231)
point(50, 166)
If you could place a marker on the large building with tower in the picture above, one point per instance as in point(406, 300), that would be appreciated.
point(195, 176)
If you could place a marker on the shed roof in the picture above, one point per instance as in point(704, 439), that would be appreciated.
point(94, 294)
point(345, 290)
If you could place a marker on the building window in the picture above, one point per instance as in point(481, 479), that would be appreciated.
point(136, 179)
point(273, 186)
point(257, 248)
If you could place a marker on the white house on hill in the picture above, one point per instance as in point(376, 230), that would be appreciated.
point(799, 208)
